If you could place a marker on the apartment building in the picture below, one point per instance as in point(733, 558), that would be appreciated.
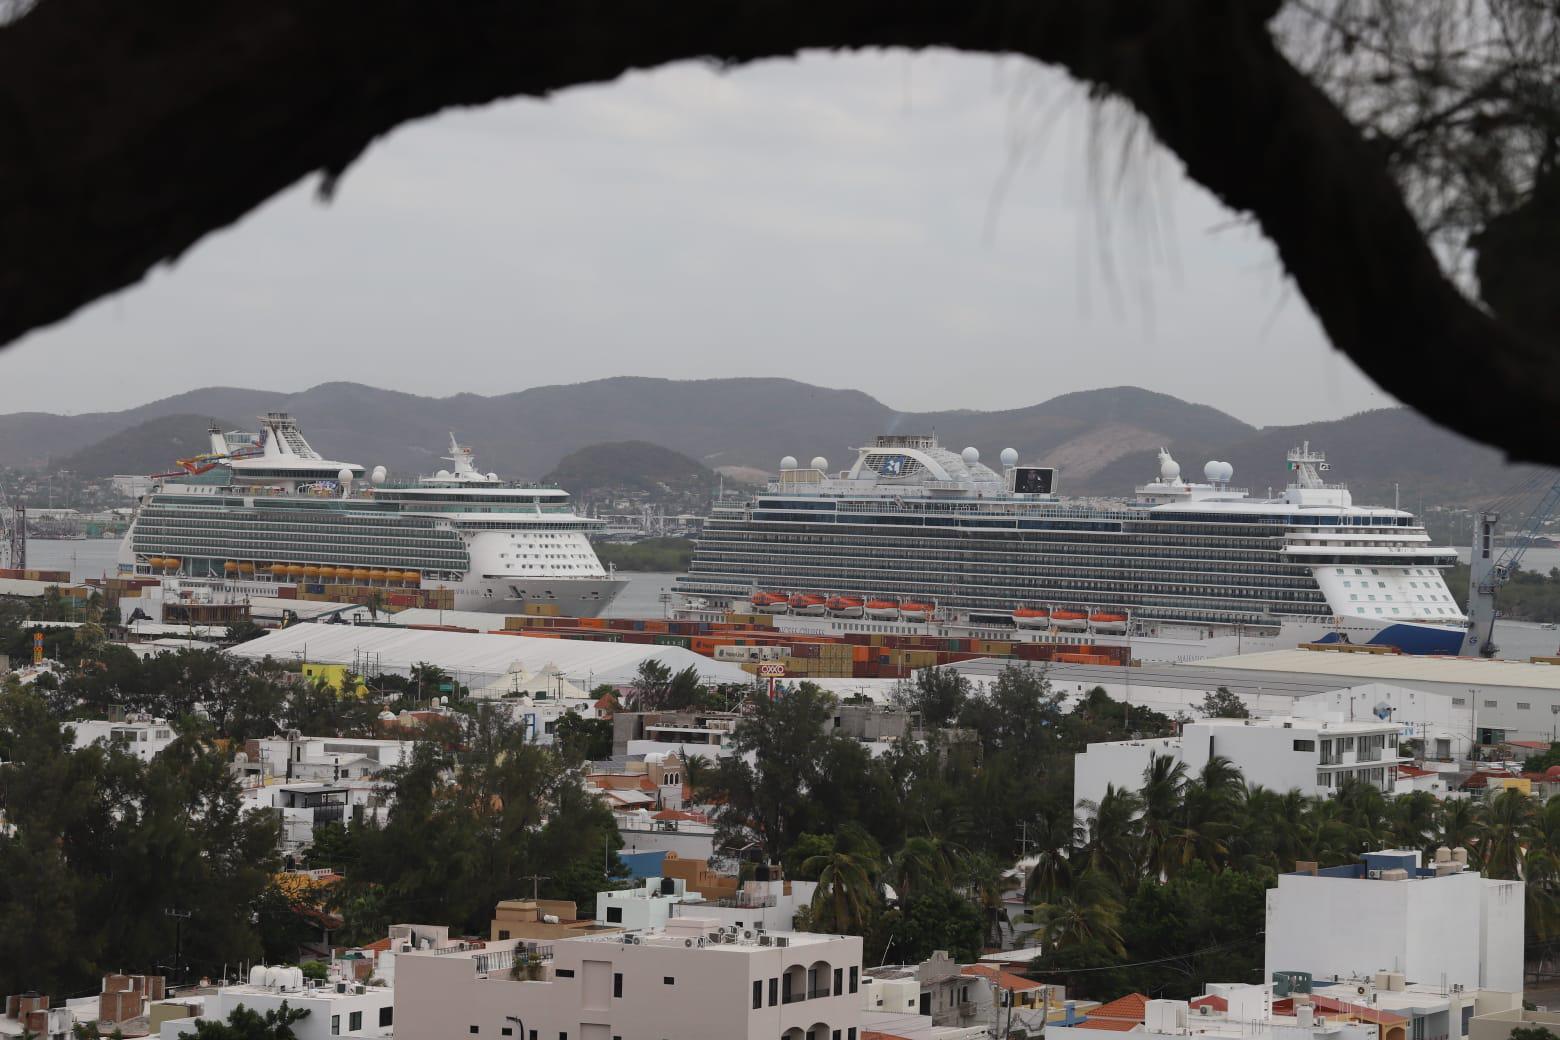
point(691, 981)
point(140, 735)
point(335, 1009)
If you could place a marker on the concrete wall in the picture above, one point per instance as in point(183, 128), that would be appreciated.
point(1504, 912)
point(709, 996)
point(1120, 763)
point(1356, 927)
point(322, 1007)
point(1264, 755)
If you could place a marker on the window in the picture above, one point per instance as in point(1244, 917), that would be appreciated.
point(774, 992)
point(506, 1031)
point(1305, 745)
point(335, 1025)
point(503, 933)
point(355, 1021)
point(473, 1030)
point(617, 984)
point(839, 980)
point(668, 980)
point(1459, 702)
point(1489, 704)
point(1523, 705)
point(614, 915)
point(563, 973)
point(387, 1016)
point(758, 994)
point(854, 971)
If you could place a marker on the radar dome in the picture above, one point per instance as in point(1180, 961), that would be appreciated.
point(344, 475)
point(1009, 457)
point(789, 462)
point(1169, 469)
point(492, 476)
point(970, 456)
point(379, 476)
point(820, 463)
point(443, 474)
point(1226, 472)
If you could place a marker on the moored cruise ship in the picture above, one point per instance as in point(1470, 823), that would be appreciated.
point(917, 539)
point(259, 515)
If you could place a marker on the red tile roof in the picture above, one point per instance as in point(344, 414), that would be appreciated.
point(378, 945)
point(1212, 1000)
point(1132, 1008)
point(1414, 771)
point(1364, 1014)
point(1118, 1025)
point(678, 814)
point(1531, 745)
point(872, 1034)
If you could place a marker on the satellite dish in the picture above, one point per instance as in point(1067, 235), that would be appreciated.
point(970, 456)
point(789, 462)
point(1169, 469)
point(1226, 472)
point(820, 463)
point(344, 475)
point(1009, 457)
point(1211, 471)
point(1382, 710)
point(379, 476)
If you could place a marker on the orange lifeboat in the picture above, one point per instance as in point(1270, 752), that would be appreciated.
point(230, 567)
point(294, 570)
point(846, 606)
point(1107, 621)
point(882, 609)
point(411, 577)
point(311, 570)
point(245, 567)
point(809, 605)
point(771, 602)
point(1032, 617)
point(170, 563)
point(377, 575)
point(360, 573)
point(914, 610)
point(1070, 620)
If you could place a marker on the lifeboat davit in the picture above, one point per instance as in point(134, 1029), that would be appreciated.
point(1070, 620)
point(771, 602)
point(846, 606)
point(1107, 621)
point(882, 609)
point(1032, 617)
point(914, 610)
point(808, 605)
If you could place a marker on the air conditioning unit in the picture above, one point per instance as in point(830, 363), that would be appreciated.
point(1205, 1009)
point(748, 934)
point(689, 942)
point(341, 987)
point(764, 940)
point(1361, 990)
point(782, 940)
point(1374, 875)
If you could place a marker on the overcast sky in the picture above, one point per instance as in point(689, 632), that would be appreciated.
point(925, 228)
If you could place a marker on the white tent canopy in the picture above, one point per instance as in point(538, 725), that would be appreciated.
point(477, 659)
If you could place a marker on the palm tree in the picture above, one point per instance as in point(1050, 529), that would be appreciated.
point(1413, 822)
point(1054, 839)
point(847, 889)
point(1114, 835)
point(1459, 823)
point(1088, 914)
point(921, 863)
point(1364, 809)
point(1507, 826)
point(1164, 783)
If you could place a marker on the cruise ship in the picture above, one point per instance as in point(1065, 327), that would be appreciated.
point(915, 538)
point(258, 514)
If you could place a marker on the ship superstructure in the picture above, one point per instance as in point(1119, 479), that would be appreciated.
point(264, 518)
point(1194, 568)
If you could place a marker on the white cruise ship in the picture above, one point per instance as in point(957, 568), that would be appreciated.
point(917, 539)
point(260, 514)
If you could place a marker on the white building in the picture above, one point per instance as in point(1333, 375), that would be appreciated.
point(1225, 1012)
point(141, 735)
point(690, 982)
point(1315, 756)
point(757, 906)
point(283, 755)
point(303, 805)
point(336, 1009)
point(645, 908)
point(1445, 731)
point(1443, 925)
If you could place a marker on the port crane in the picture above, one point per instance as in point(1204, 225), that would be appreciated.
point(13, 534)
point(1489, 570)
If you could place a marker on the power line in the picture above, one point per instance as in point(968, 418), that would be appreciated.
point(1139, 964)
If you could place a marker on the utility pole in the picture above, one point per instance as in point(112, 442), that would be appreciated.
point(179, 917)
point(535, 879)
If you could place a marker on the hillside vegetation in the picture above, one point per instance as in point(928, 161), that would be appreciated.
point(630, 467)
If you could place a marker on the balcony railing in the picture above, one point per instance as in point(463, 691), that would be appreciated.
point(793, 998)
point(815, 994)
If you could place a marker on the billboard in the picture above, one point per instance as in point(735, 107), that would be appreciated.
point(1034, 480)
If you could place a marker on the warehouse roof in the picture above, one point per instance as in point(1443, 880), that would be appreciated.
point(462, 653)
point(1463, 671)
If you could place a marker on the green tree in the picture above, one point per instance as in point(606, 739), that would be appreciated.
point(1222, 704)
point(247, 1024)
point(847, 891)
point(583, 739)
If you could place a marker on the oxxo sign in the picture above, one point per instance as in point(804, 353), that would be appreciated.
point(771, 670)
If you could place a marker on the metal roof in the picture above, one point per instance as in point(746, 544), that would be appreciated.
point(464, 654)
point(1461, 671)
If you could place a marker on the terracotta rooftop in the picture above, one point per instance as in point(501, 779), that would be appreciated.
point(1212, 1000)
point(1131, 1008)
point(1117, 1025)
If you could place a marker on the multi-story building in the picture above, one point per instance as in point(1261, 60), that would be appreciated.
point(140, 735)
point(1442, 924)
point(691, 981)
point(335, 1009)
point(1316, 756)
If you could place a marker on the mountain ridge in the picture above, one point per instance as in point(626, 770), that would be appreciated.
point(1104, 439)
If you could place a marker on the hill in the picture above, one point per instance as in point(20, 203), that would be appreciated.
point(167, 439)
point(605, 473)
point(1102, 440)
